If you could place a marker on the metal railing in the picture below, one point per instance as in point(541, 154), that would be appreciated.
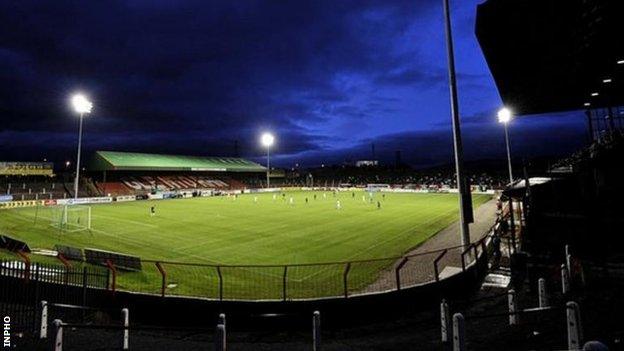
point(290, 282)
point(284, 282)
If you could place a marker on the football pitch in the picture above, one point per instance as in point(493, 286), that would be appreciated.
point(251, 229)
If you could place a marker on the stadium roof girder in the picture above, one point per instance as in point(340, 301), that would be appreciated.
point(134, 161)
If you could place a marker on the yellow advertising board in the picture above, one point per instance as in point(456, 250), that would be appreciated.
point(26, 168)
point(20, 204)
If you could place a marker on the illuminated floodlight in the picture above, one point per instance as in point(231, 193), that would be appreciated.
point(81, 104)
point(594, 94)
point(587, 104)
point(267, 139)
point(504, 115)
point(620, 62)
point(607, 80)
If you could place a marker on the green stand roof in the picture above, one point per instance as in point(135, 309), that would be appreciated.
point(134, 161)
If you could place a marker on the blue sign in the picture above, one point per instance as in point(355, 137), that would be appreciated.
point(6, 198)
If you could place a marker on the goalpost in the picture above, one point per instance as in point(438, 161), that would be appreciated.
point(71, 218)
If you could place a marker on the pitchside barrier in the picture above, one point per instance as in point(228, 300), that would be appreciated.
point(107, 258)
point(260, 282)
point(255, 282)
point(70, 253)
point(303, 281)
point(459, 322)
point(13, 245)
point(23, 284)
point(285, 282)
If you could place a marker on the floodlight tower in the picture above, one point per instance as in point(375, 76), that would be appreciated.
point(82, 106)
point(465, 200)
point(505, 116)
point(267, 140)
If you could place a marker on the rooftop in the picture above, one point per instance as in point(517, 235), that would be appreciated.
point(134, 161)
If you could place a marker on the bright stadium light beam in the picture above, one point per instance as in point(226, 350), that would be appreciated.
point(267, 140)
point(504, 117)
point(82, 106)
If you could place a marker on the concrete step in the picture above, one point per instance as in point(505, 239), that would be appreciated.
point(497, 280)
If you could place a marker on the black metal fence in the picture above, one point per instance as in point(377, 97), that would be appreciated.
point(23, 285)
point(300, 281)
point(64, 283)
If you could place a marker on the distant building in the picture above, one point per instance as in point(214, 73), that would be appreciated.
point(366, 163)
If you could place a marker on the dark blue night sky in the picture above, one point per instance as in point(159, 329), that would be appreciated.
point(327, 77)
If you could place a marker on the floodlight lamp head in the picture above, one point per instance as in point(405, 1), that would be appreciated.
point(267, 139)
point(504, 115)
point(81, 104)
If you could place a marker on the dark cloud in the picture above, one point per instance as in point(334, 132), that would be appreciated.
point(196, 76)
point(534, 136)
point(412, 77)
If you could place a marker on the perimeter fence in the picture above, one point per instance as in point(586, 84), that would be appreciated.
point(286, 282)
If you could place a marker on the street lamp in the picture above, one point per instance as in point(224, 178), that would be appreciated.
point(504, 117)
point(267, 140)
point(82, 106)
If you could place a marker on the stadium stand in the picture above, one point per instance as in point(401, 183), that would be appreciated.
point(121, 173)
point(28, 188)
point(114, 189)
point(130, 161)
point(435, 178)
point(138, 185)
point(173, 183)
point(30, 181)
point(606, 141)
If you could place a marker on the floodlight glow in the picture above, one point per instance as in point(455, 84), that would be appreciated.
point(587, 104)
point(81, 104)
point(267, 139)
point(504, 115)
point(594, 94)
point(607, 80)
point(620, 62)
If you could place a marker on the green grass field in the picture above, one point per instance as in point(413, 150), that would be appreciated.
point(229, 231)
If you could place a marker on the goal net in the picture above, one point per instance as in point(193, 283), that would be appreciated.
point(72, 218)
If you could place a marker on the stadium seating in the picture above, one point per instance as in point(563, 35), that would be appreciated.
point(413, 179)
point(114, 189)
point(236, 184)
point(32, 188)
point(165, 183)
